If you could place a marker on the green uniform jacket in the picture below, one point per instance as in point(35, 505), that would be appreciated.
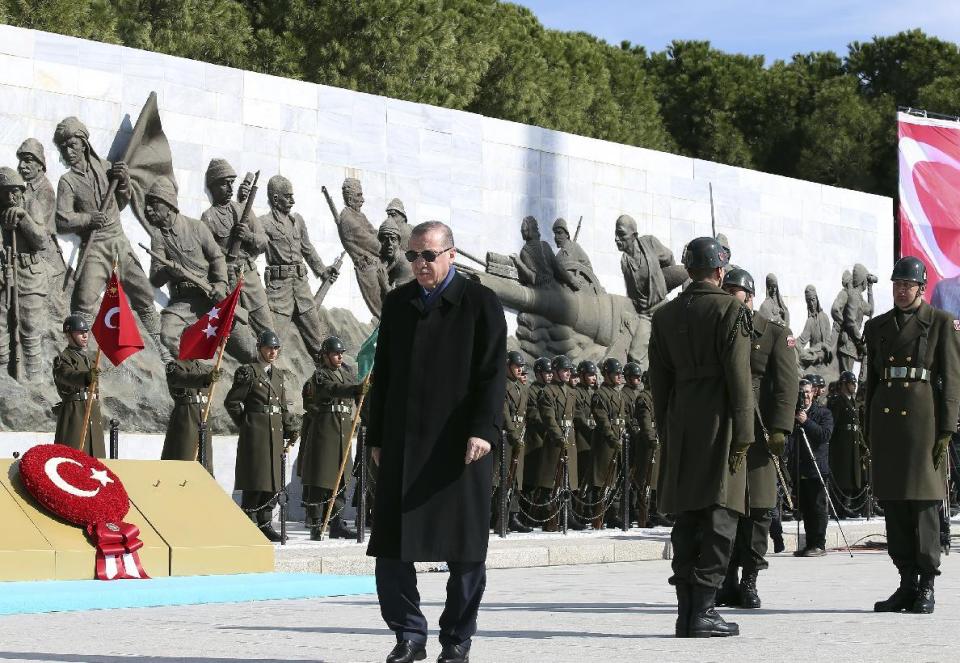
point(329, 400)
point(71, 370)
point(514, 417)
point(845, 444)
point(583, 421)
point(703, 398)
point(258, 405)
point(644, 436)
point(533, 437)
point(611, 410)
point(556, 404)
point(188, 382)
point(773, 364)
point(903, 416)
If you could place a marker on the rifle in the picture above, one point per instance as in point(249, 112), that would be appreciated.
point(646, 492)
point(576, 233)
point(13, 300)
point(331, 205)
point(713, 220)
point(611, 468)
point(561, 478)
point(325, 286)
point(233, 249)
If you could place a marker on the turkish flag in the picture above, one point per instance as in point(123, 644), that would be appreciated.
point(201, 339)
point(115, 327)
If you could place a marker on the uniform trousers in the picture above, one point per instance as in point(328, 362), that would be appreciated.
point(750, 547)
point(813, 504)
point(251, 499)
point(400, 601)
point(702, 542)
point(315, 502)
point(913, 535)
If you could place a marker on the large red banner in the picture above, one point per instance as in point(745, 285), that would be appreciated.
point(929, 154)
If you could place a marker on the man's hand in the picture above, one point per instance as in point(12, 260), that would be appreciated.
point(215, 375)
point(12, 217)
point(801, 417)
point(940, 450)
point(363, 388)
point(294, 436)
point(243, 191)
point(331, 274)
point(777, 443)
point(375, 455)
point(219, 292)
point(93, 375)
point(476, 449)
point(241, 232)
point(97, 220)
point(738, 454)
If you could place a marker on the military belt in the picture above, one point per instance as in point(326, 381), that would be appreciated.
point(699, 372)
point(619, 422)
point(335, 408)
point(265, 409)
point(80, 396)
point(186, 400)
point(566, 422)
point(286, 271)
point(186, 288)
point(906, 373)
point(518, 419)
point(27, 259)
point(852, 427)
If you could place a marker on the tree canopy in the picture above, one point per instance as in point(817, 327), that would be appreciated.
point(821, 116)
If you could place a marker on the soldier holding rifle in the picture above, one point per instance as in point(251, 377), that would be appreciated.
point(611, 410)
point(514, 417)
point(73, 373)
point(556, 404)
point(583, 421)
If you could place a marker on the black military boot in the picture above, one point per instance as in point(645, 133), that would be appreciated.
point(574, 523)
point(682, 628)
point(705, 621)
point(924, 602)
point(515, 524)
point(315, 533)
point(270, 533)
point(748, 591)
point(729, 592)
point(339, 530)
point(904, 597)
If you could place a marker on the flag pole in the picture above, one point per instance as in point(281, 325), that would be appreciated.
point(93, 391)
point(346, 455)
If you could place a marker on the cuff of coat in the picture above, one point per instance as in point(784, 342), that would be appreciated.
point(488, 433)
point(947, 413)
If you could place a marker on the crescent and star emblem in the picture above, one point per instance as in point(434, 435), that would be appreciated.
point(51, 468)
point(112, 313)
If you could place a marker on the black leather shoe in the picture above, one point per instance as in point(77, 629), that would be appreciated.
point(814, 552)
point(339, 530)
point(407, 651)
point(270, 533)
point(903, 598)
point(705, 621)
point(454, 654)
point(515, 525)
point(315, 533)
point(924, 602)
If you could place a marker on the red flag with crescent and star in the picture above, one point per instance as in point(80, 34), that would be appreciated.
point(201, 339)
point(115, 327)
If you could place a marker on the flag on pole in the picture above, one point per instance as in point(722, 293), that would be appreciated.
point(201, 339)
point(365, 356)
point(115, 327)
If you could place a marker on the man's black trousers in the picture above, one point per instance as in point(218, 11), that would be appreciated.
point(813, 504)
point(702, 541)
point(913, 535)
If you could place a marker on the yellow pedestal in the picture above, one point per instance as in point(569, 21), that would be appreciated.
point(24, 553)
point(74, 554)
point(206, 532)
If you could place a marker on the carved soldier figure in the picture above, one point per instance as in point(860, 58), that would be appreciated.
point(258, 404)
point(815, 344)
point(773, 308)
point(81, 193)
point(611, 410)
point(329, 396)
point(583, 421)
point(836, 311)
point(396, 268)
point(850, 347)
point(189, 384)
point(536, 264)
point(40, 201)
point(398, 215)
point(24, 239)
point(190, 247)
point(289, 246)
point(73, 373)
point(359, 239)
point(245, 240)
point(573, 258)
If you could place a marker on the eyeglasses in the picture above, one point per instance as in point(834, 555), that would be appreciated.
point(428, 255)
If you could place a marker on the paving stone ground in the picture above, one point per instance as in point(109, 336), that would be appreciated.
point(814, 609)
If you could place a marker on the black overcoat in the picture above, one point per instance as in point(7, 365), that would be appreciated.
point(439, 378)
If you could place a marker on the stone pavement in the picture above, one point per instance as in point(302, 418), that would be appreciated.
point(814, 609)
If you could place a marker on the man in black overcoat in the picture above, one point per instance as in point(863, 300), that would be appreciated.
point(436, 412)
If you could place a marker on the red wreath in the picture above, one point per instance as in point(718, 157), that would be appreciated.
point(82, 490)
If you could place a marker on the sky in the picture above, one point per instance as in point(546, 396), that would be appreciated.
point(774, 28)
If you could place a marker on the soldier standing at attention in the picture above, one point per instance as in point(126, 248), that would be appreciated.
point(583, 421)
point(773, 366)
point(913, 391)
point(329, 396)
point(189, 383)
point(514, 417)
point(73, 373)
point(611, 410)
point(289, 245)
point(542, 376)
point(257, 402)
point(700, 362)
point(846, 443)
point(556, 405)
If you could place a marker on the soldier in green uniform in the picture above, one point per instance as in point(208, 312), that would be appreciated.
point(583, 422)
point(257, 402)
point(847, 457)
point(912, 396)
point(514, 417)
point(773, 366)
point(188, 381)
point(645, 452)
point(542, 376)
point(556, 404)
point(73, 373)
point(329, 397)
point(700, 362)
point(611, 410)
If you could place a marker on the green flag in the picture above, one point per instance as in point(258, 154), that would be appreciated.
point(365, 357)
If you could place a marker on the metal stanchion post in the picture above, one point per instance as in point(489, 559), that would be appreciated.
point(202, 443)
point(114, 438)
point(502, 490)
point(625, 498)
point(282, 497)
point(361, 489)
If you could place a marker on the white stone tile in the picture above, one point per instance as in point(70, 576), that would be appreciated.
point(188, 100)
point(188, 156)
point(687, 189)
point(181, 71)
point(54, 107)
point(56, 77)
point(368, 156)
point(99, 114)
point(509, 133)
point(15, 100)
point(223, 80)
point(229, 108)
point(13, 129)
point(16, 41)
point(142, 64)
point(281, 90)
point(335, 152)
point(298, 146)
point(431, 212)
point(335, 100)
point(261, 141)
point(263, 114)
point(299, 120)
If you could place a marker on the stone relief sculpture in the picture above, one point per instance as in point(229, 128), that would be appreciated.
point(836, 311)
point(398, 215)
point(573, 259)
point(396, 269)
point(850, 347)
point(359, 239)
point(773, 307)
point(815, 344)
